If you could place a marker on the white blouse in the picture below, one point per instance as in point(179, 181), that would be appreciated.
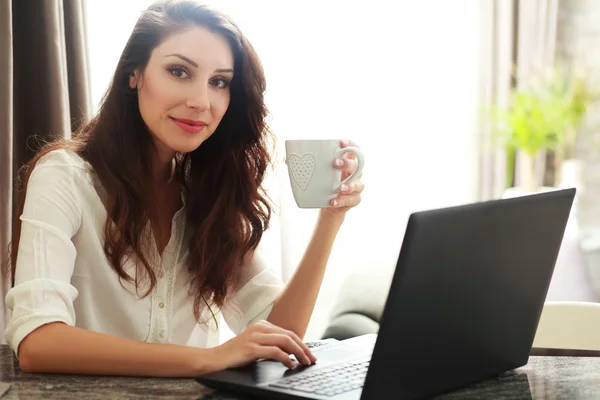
point(63, 274)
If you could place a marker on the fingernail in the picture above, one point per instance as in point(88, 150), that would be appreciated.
point(335, 203)
point(339, 162)
point(346, 142)
point(344, 187)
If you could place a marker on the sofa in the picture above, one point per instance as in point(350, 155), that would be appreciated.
point(359, 305)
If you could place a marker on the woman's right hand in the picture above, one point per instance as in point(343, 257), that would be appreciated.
point(263, 340)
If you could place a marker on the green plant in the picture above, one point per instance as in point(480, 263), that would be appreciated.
point(544, 112)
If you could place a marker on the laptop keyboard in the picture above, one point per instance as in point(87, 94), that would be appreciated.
point(318, 343)
point(329, 381)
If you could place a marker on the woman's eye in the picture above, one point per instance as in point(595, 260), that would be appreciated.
point(179, 72)
point(220, 83)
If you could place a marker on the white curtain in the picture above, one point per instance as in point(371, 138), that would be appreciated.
point(537, 27)
point(513, 33)
point(538, 21)
point(399, 78)
point(497, 58)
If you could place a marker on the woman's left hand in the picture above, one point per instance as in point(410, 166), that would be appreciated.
point(349, 195)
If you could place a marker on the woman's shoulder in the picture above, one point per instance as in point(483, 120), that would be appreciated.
point(62, 158)
point(63, 162)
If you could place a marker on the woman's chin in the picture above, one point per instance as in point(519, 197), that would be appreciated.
point(187, 146)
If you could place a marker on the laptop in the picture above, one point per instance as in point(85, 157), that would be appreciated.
point(463, 306)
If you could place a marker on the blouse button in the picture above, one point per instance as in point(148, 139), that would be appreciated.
point(161, 304)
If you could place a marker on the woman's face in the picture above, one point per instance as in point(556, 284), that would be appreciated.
point(184, 91)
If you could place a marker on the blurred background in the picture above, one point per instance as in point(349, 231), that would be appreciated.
point(452, 102)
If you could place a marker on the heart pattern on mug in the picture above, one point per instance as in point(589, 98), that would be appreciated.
point(302, 168)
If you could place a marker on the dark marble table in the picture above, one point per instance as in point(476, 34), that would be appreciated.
point(544, 377)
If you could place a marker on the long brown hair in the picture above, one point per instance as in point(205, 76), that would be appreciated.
point(227, 208)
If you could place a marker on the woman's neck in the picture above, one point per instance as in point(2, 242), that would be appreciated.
point(163, 167)
point(164, 172)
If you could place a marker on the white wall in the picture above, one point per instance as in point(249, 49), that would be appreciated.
point(399, 78)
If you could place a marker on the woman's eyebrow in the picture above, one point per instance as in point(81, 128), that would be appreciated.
point(184, 58)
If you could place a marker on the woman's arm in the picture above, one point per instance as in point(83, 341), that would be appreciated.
point(60, 348)
point(63, 349)
point(294, 306)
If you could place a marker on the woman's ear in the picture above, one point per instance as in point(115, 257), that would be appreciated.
point(134, 79)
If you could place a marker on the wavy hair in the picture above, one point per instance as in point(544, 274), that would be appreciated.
point(226, 205)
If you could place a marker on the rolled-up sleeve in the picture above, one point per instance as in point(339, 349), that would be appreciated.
point(42, 292)
point(259, 288)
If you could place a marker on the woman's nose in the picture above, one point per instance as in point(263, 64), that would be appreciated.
point(199, 99)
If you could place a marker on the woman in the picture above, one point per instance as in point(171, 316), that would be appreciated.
point(133, 232)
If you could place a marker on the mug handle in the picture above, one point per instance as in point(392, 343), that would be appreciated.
point(360, 162)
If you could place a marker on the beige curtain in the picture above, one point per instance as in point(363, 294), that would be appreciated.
point(498, 55)
point(6, 142)
point(514, 33)
point(538, 22)
point(44, 90)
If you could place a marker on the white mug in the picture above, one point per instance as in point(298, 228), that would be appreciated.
point(314, 178)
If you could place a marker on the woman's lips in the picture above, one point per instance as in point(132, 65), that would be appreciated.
point(189, 126)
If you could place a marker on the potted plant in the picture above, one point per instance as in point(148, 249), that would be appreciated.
point(578, 98)
point(543, 113)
